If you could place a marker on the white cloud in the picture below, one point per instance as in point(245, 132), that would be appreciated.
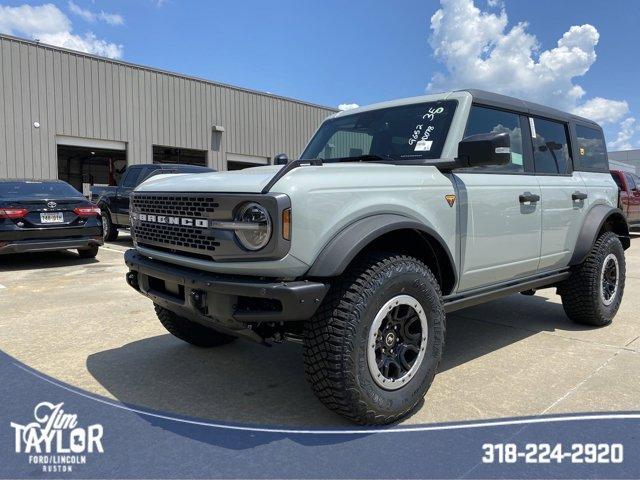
point(347, 106)
point(49, 25)
point(628, 128)
point(480, 51)
point(602, 110)
point(91, 17)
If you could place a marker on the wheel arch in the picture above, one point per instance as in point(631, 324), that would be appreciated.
point(600, 219)
point(387, 232)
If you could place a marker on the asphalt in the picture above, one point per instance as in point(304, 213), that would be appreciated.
point(77, 321)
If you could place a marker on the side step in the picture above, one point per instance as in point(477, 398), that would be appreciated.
point(475, 297)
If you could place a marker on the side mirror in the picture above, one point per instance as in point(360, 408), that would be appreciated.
point(281, 159)
point(485, 149)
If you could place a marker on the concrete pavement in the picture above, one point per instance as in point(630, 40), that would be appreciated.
point(77, 320)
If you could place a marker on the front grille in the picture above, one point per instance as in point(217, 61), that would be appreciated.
point(191, 239)
point(181, 206)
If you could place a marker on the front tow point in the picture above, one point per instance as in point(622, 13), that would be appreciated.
point(132, 280)
point(198, 300)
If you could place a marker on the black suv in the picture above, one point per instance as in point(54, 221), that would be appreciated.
point(114, 200)
point(39, 215)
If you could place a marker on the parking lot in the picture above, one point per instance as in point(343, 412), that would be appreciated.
point(77, 321)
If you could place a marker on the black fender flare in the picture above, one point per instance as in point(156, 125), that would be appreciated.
point(349, 242)
point(592, 226)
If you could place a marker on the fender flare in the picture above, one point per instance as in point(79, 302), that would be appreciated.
point(349, 242)
point(591, 227)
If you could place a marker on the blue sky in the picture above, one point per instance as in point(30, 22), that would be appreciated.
point(332, 52)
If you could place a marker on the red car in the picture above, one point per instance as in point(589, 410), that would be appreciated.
point(629, 199)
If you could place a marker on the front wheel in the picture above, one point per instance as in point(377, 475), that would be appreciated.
point(373, 348)
point(191, 332)
point(592, 295)
point(90, 252)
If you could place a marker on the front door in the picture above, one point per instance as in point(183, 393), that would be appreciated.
point(500, 215)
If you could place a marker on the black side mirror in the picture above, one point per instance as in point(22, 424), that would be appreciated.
point(485, 149)
point(281, 159)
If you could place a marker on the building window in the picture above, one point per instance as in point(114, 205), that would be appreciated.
point(186, 156)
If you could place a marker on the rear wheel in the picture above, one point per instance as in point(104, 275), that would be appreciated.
point(109, 230)
point(191, 332)
point(374, 346)
point(592, 295)
point(90, 252)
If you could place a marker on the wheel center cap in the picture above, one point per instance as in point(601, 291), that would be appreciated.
point(390, 339)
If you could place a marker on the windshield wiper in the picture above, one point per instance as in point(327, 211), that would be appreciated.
point(364, 158)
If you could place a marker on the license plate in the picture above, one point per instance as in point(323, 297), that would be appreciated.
point(52, 217)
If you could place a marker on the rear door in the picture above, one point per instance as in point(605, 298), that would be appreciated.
point(634, 198)
point(500, 215)
point(564, 194)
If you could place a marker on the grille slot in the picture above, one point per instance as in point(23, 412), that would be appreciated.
point(175, 237)
point(181, 206)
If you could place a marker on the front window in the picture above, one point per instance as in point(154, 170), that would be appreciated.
point(407, 132)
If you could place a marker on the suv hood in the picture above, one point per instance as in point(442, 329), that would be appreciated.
point(249, 180)
point(347, 175)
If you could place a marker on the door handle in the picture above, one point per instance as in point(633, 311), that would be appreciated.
point(529, 198)
point(579, 196)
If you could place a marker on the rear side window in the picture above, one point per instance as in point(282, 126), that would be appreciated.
point(489, 120)
point(550, 146)
point(631, 182)
point(592, 152)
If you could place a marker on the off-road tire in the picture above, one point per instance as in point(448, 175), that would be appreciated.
point(109, 230)
point(191, 332)
point(90, 252)
point(581, 292)
point(336, 338)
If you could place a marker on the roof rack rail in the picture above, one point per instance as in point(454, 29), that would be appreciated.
point(317, 162)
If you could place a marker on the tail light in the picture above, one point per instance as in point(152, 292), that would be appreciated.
point(13, 212)
point(91, 211)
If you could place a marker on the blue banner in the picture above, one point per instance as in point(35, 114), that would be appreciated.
point(52, 430)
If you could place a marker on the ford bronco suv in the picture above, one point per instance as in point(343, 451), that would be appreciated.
point(395, 215)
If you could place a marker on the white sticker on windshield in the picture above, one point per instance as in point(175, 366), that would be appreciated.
point(423, 145)
point(533, 127)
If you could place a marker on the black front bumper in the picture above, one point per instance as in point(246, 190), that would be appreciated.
point(231, 302)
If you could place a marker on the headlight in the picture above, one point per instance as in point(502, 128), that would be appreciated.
point(254, 226)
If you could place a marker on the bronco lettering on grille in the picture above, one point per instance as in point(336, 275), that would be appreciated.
point(169, 220)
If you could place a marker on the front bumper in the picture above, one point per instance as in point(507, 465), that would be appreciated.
point(24, 246)
point(229, 302)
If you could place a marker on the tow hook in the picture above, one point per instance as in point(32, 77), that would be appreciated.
point(198, 300)
point(132, 280)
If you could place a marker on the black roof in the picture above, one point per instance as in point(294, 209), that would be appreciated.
point(483, 97)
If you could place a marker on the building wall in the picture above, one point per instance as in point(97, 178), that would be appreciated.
point(626, 158)
point(78, 95)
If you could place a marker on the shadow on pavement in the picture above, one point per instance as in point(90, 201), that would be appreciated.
point(251, 384)
point(37, 260)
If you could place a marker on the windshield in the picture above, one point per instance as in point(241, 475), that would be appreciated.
point(407, 132)
point(37, 189)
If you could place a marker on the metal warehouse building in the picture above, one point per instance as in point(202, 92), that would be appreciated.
point(81, 118)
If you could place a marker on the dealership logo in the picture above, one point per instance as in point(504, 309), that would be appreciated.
point(55, 440)
point(167, 220)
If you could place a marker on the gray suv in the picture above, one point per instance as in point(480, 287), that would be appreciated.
point(395, 215)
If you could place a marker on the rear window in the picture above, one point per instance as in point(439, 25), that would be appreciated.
point(592, 152)
point(37, 189)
